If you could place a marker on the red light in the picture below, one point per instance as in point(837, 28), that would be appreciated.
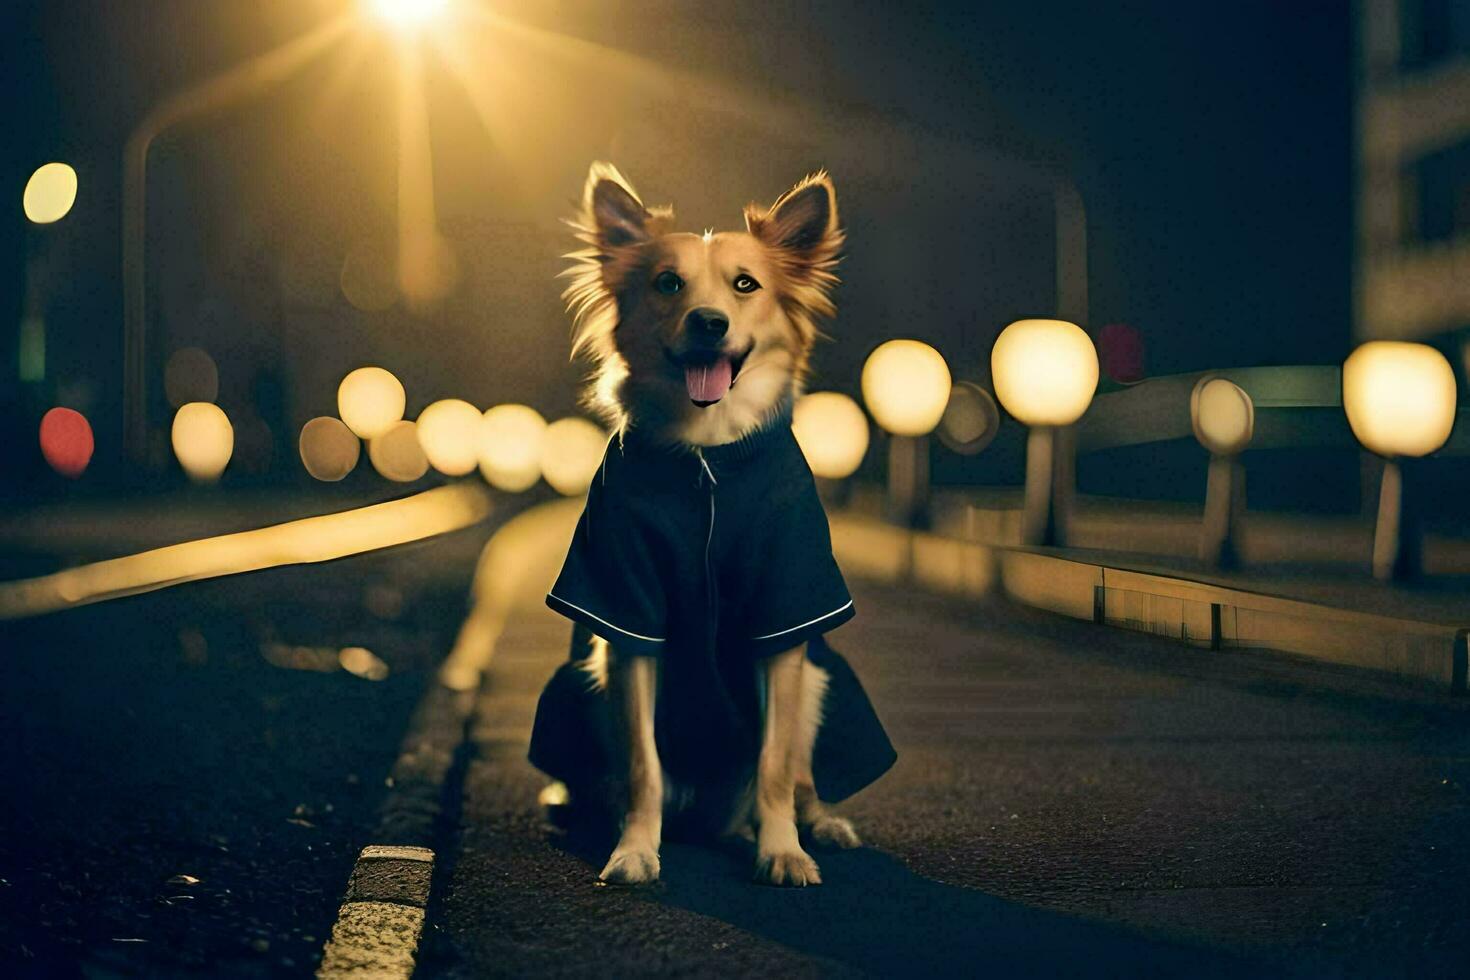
point(1120, 348)
point(66, 441)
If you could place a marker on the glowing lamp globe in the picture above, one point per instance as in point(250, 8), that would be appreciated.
point(510, 447)
point(50, 193)
point(449, 432)
point(1045, 371)
point(832, 432)
point(66, 441)
point(203, 440)
point(906, 386)
point(570, 454)
point(1223, 415)
point(329, 450)
point(1399, 397)
point(397, 455)
point(370, 400)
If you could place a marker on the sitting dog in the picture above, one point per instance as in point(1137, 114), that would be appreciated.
point(701, 692)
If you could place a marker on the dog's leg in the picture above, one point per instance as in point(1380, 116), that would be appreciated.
point(635, 860)
point(825, 826)
point(779, 857)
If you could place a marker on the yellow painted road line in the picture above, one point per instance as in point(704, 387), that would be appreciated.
point(314, 539)
point(379, 924)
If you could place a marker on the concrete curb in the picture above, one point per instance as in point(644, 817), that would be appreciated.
point(1204, 614)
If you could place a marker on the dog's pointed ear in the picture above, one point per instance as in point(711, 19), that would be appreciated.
point(802, 221)
point(803, 234)
point(611, 212)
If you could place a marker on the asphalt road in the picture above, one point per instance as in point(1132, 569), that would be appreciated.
point(1068, 800)
point(186, 777)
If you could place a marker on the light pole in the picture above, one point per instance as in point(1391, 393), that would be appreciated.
point(1400, 403)
point(259, 74)
point(1224, 419)
point(1045, 373)
point(230, 87)
point(906, 386)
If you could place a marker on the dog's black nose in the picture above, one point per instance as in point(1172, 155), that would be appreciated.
point(704, 323)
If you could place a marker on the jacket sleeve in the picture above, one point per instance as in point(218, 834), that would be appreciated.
point(610, 581)
point(798, 591)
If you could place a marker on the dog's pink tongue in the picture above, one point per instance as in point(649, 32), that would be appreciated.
point(708, 382)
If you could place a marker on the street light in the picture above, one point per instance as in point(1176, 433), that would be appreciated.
point(1400, 403)
point(511, 437)
point(1045, 373)
point(407, 14)
point(906, 387)
point(1224, 420)
point(832, 432)
point(571, 452)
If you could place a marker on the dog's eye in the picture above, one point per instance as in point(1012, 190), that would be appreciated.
point(668, 283)
point(746, 284)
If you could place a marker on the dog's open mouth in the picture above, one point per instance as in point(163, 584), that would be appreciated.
point(709, 374)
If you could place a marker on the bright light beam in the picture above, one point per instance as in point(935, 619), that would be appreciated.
point(314, 539)
point(407, 14)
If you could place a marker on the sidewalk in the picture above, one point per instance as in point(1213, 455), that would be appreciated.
point(1132, 570)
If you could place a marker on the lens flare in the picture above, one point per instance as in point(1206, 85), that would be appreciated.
point(510, 447)
point(50, 193)
point(370, 400)
point(203, 440)
point(833, 433)
point(66, 441)
point(328, 448)
point(906, 386)
point(570, 454)
point(407, 13)
point(449, 431)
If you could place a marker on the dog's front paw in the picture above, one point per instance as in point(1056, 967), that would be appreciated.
point(833, 831)
point(795, 868)
point(631, 866)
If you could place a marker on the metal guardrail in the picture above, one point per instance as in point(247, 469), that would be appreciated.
point(1295, 407)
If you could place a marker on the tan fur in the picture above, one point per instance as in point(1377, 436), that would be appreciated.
point(632, 333)
point(624, 326)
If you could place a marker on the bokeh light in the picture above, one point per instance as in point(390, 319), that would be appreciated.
point(362, 662)
point(1223, 414)
point(66, 441)
point(397, 455)
point(832, 432)
point(1045, 371)
point(369, 400)
point(203, 440)
point(329, 450)
point(449, 431)
point(571, 452)
point(906, 386)
point(50, 193)
point(190, 376)
point(971, 419)
point(510, 447)
point(1399, 397)
point(370, 276)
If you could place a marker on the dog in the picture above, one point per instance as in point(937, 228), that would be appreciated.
point(700, 343)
